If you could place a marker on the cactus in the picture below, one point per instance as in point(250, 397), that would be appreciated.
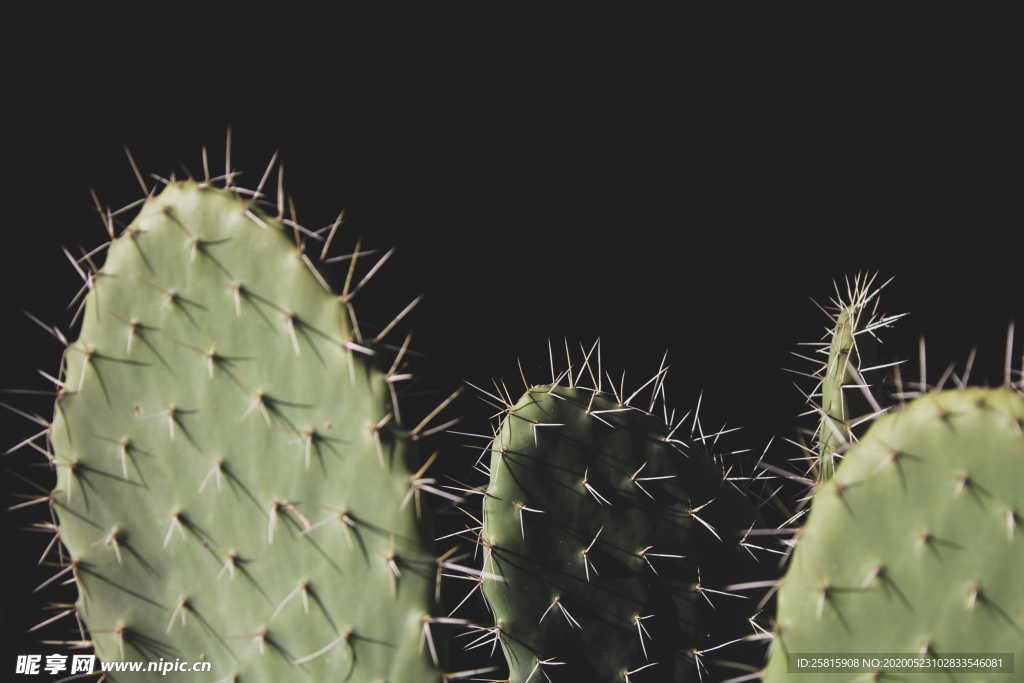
point(915, 544)
point(236, 483)
point(912, 544)
point(853, 312)
point(234, 480)
point(610, 530)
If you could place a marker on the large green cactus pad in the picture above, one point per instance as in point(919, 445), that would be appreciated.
point(607, 528)
point(227, 485)
point(915, 545)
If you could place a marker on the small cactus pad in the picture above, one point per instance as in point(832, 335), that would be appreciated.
point(611, 530)
point(231, 479)
point(833, 430)
point(853, 314)
point(915, 545)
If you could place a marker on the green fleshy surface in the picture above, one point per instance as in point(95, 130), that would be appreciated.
point(916, 544)
point(308, 444)
point(543, 467)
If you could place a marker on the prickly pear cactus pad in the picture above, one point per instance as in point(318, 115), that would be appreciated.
point(612, 531)
point(233, 480)
point(915, 545)
point(840, 368)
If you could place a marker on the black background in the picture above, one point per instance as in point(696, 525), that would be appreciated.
point(671, 200)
